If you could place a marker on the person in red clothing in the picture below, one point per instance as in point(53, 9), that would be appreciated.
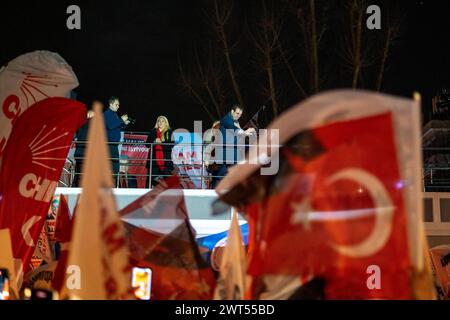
point(160, 163)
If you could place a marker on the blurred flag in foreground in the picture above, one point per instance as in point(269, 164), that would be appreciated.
point(215, 244)
point(160, 237)
point(63, 226)
point(97, 249)
point(231, 284)
point(30, 170)
point(341, 219)
point(62, 236)
point(30, 78)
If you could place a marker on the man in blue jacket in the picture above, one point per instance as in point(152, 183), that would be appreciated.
point(230, 129)
point(114, 125)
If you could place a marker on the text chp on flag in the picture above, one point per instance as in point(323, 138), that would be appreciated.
point(347, 195)
point(98, 262)
point(31, 166)
point(28, 79)
point(48, 263)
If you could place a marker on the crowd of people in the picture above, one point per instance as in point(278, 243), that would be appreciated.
point(159, 163)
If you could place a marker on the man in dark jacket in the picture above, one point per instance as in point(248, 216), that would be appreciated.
point(114, 125)
point(230, 129)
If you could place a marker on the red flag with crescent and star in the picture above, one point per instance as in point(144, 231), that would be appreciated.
point(63, 234)
point(31, 167)
point(339, 199)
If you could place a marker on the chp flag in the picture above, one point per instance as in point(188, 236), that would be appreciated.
point(97, 246)
point(347, 193)
point(27, 79)
point(30, 170)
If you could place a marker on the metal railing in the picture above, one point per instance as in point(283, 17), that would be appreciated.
point(194, 170)
point(436, 169)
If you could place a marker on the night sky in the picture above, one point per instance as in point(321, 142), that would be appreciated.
point(129, 49)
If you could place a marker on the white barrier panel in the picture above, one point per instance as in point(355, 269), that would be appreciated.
point(198, 203)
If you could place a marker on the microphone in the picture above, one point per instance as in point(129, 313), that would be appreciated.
point(132, 120)
point(253, 122)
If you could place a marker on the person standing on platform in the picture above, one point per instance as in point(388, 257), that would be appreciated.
point(114, 124)
point(230, 129)
point(160, 164)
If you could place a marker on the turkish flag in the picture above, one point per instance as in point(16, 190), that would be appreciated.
point(31, 167)
point(339, 199)
point(63, 233)
point(63, 228)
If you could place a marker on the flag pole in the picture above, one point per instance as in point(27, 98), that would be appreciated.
point(422, 276)
point(418, 223)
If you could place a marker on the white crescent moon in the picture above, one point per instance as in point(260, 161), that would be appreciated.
point(26, 230)
point(384, 213)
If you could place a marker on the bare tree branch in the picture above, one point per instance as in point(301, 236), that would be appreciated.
point(291, 71)
point(266, 41)
point(312, 26)
point(314, 40)
point(222, 15)
point(186, 82)
point(356, 25)
point(392, 33)
point(205, 78)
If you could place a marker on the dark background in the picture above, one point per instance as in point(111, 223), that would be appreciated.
point(129, 49)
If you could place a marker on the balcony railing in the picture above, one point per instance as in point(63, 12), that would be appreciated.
point(436, 169)
point(141, 171)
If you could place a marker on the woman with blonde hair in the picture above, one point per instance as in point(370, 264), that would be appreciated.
point(161, 154)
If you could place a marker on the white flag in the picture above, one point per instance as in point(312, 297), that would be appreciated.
point(30, 78)
point(231, 284)
point(98, 264)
